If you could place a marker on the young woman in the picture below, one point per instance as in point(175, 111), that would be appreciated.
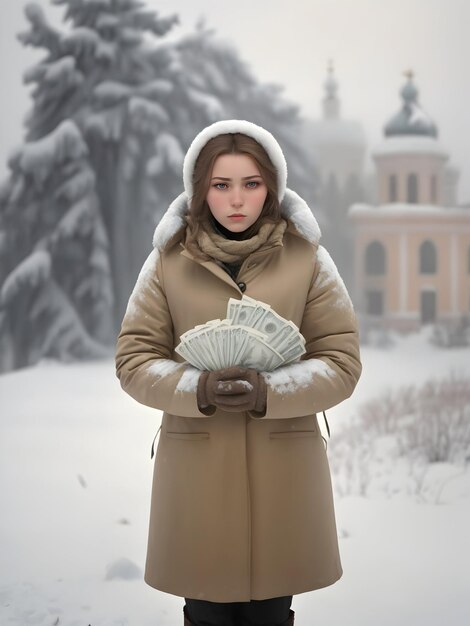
point(242, 514)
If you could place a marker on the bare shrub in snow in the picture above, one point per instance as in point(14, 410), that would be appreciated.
point(451, 333)
point(439, 425)
point(380, 415)
point(400, 435)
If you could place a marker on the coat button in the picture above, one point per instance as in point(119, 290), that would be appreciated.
point(242, 286)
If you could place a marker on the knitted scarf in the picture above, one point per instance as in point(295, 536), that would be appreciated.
point(232, 250)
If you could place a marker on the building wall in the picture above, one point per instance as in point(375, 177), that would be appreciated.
point(423, 165)
point(403, 281)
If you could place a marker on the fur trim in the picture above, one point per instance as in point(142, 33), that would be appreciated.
point(293, 207)
point(260, 134)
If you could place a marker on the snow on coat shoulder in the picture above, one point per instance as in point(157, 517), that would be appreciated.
point(328, 276)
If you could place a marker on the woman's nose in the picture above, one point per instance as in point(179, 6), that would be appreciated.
point(237, 197)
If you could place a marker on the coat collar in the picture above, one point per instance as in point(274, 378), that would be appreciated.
point(293, 208)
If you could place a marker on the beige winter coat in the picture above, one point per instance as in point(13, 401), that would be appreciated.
point(241, 507)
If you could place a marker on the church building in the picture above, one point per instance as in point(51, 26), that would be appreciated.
point(412, 251)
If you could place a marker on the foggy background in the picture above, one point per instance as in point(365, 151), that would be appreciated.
point(372, 43)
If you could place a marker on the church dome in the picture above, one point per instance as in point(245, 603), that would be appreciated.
point(411, 119)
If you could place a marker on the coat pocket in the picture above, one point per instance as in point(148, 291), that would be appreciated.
point(291, 434)
point(191, 436)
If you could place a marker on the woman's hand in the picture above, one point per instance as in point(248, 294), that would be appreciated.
point(232, 389)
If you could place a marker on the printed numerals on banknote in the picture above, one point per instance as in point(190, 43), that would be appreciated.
point(252, 335)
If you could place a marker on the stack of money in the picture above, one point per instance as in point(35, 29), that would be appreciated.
point(252, 335)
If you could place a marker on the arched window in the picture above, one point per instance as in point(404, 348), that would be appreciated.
point(427, 258)
point(375, 259)
point(412, 188)
point(392, 188)
point(434, 189)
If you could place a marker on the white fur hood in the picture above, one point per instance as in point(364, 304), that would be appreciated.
point(293, 207)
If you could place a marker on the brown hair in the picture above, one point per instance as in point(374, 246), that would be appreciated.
point(199, 211)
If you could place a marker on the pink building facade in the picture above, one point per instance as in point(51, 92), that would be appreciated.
point(412, 251)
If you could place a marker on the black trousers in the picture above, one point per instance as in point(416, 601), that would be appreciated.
point(270, 612)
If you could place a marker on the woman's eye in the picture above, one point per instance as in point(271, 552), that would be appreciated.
point(251, 182)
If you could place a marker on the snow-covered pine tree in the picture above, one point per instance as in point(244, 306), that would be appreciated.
point(135, 105)
point(58, 208)
point(54, 276)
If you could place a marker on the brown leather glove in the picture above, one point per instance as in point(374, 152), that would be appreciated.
point(232, 389)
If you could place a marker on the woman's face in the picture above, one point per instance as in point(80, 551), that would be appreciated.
point(236, 187)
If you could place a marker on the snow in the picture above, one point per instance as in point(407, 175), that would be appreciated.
point(172, 220)
point(33, 269)
point(297, 210)
point(76, 475)
point(410, 144)
point(169, 147)
point(146, 274)
point(243, 383)
point(189, 379)
point(168, 154)
point(213, 108)
point(77, 218)
point(106, 50)
point(81, 35)
point(61, 69)
point(77, 184)
point(82, 38)
point(329, 275)
point(35, 14)
point(109, 92)
point(162, 368)
point(148, 112)
point(154, 89)
point(40, 157)
point(106, 124)
point(123, 568)
point(106, 20)
point(290, 378)
point(419, 117)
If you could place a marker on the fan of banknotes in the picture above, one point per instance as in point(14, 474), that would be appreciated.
point(252, 335)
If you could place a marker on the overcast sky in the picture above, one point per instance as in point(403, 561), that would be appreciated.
point(372, 42)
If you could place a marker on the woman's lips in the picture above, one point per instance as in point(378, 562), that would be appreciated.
point(236, 217)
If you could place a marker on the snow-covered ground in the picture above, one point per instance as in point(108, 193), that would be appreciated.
point(75, 480)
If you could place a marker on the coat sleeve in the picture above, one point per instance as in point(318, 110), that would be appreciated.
point(330, 369)
point(144, 349)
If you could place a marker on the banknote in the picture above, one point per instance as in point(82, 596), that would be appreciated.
point(258, 354)
point(251, 335)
